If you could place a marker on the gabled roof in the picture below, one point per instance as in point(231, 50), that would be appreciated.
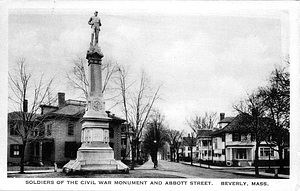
point(234, 125)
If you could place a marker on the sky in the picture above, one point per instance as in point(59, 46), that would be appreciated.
point(206, 59)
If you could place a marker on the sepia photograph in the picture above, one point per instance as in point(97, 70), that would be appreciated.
point(172, 95)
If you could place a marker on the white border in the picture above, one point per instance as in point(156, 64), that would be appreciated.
point(155, 7)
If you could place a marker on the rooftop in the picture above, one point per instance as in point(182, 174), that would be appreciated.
point(204, 133)
point(226, 120)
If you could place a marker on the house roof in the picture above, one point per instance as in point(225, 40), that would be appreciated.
point(205, 133)
point(234, 125)
point(187, 141)
point(70, 110)
point(226, 120)
point(115, 118)
point(77, 111)
point(17, 115)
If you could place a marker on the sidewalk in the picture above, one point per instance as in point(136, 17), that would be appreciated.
point(238, 170)
point(34, 171)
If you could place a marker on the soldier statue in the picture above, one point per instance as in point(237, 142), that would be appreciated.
point(95, 23)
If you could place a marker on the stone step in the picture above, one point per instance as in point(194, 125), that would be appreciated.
point(99, 167)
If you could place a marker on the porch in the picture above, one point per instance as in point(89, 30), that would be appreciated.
point(41, 152)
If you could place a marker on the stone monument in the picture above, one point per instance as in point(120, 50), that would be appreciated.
point(95, 154)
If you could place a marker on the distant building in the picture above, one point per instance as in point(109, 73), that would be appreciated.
point(189, 147)
point(204, 143)
point(60, 137)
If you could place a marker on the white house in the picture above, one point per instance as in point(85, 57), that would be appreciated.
point(188, 147)
point(233, 147)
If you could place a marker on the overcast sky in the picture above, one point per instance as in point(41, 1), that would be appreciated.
point(206, 59)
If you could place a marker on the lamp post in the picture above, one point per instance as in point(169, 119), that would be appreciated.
point(132, 150)
point(177, 148)
point(155, 153)
point(192, 144)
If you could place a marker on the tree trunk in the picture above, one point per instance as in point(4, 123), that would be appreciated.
point(280, 153)
point(256, 159)
point(22, 152)
point(132, 155)
point(177, 155)
point(138, 154)
point(191, 155)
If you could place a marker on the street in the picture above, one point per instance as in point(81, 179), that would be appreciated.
point(165, 170)
point(187, 171)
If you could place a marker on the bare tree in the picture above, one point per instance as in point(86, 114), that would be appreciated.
point(156, 135)
point(276, 99)
point(23, 87)
point(175, 140)
point(137, 103)
point(252, 120)
point(78, 79)
point(209, 121)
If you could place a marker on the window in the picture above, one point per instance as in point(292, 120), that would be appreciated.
point(215, 143)
point(205, 143)
point(41, 129)
point(241, 154)
point(71, 129)
point(13, 129)
point(266, 152)
point(223, 151)
point(70, 149)
point(49, 129)
point(209, 153)
point(252, 137)
point(236, 137)
point(123, 129)
point(123, 141)
point(223, 138)
point(15, 150)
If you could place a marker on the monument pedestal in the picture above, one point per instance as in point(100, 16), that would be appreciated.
point(95, 154)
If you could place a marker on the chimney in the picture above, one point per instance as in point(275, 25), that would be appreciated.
point(25, 105)
point(61, 99)
point(108, 113)
point(222, 116)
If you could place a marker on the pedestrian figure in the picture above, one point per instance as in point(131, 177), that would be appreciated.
point(95, 23)
point(154, 159)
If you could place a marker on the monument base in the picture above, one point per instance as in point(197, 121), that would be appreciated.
point(95, 160)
